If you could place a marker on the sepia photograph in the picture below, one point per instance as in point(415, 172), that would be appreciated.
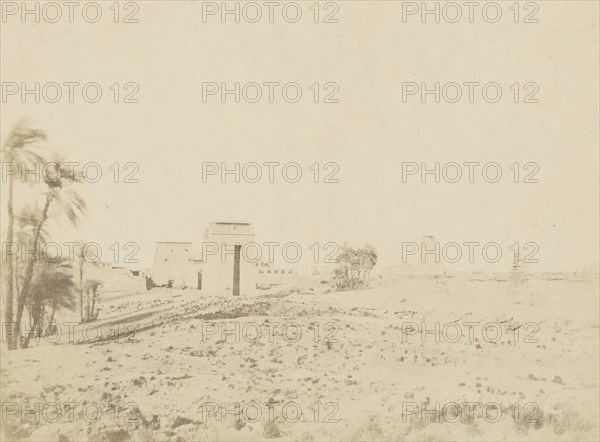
point(309, 220)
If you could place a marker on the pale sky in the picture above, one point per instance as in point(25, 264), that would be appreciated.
point(369, 133)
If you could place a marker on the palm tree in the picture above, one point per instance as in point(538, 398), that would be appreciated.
point(51, 286)
point(19, 149)
point(354, 266)
point(83, 255)
point(67, 202)
point(81, 260)
point(368, 260)
point(26, 220)
point(92, 286)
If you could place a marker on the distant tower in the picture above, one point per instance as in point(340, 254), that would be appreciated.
point(519, 273)
point(431, 257)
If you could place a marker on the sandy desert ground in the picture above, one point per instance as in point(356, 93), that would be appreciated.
point(297, 364)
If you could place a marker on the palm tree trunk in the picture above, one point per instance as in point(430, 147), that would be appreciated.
point(81, 317)
point(9, 298)
point(40, 325)
point(94, 315)
point(93, 305)
point(87, 306)
point(16, 270)
point(30, 311)
point(25, 343)
point(51, 318)
point(29, 271)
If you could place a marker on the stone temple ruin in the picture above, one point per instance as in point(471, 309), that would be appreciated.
point(175, 266)
point(215, 266)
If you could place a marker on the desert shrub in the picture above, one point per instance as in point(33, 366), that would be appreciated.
point(271, 430)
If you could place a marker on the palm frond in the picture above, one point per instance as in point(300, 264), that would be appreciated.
point(52, 284)
point(69, 203)
point(23, 134)
point(20, 149)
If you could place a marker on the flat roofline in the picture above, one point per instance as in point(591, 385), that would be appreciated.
point(232, 222)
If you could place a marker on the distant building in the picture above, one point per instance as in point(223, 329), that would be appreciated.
point(271, 275)
point(226, 269)
point(221, 268)
point(173, 264)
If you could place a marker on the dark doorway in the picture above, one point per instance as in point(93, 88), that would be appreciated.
point(199, 280)
point(236, 270)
